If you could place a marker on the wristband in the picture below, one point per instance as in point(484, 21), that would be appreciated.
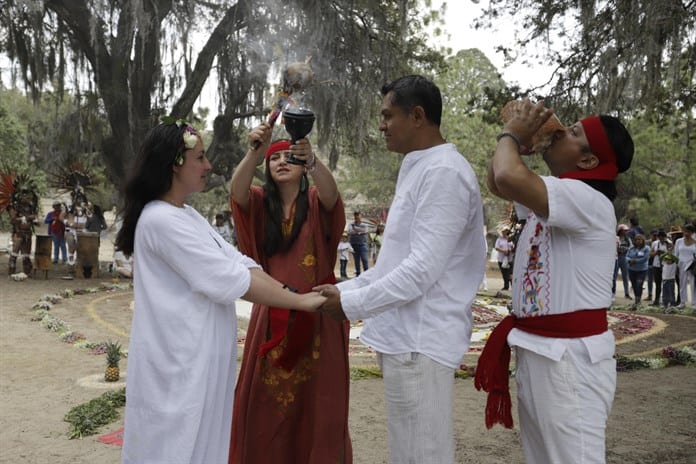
point(512, 136)
point(313, 165)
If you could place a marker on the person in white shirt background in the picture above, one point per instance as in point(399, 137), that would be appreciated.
point(344, 250)
point(122, 264)
point(685, 250)
point(669, 274)
point(504, 248)
point(416, 301)
point(658, 247)
point(222, 227)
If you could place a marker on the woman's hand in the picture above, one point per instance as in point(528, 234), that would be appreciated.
point(310, 301)
point(302, 150)
point(261, 135)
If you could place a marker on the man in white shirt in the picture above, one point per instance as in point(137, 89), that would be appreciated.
point(503, 246)
point(416, 300)
point(658, 247)
point(561, 287)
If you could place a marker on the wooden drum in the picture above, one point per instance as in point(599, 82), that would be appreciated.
point(87, 254)
point(42, 253)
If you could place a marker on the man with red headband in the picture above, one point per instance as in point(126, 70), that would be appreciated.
point(566, 374)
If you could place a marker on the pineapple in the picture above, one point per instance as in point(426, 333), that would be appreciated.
point(113, 356)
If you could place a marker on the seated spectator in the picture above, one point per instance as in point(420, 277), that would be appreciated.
point(123, 265)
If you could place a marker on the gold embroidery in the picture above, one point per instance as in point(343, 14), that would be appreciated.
point(308, 265)
point(308, 261)
point(286, 226)
point(283, 385)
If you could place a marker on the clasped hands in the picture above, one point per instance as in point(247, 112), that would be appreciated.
point(325, 299)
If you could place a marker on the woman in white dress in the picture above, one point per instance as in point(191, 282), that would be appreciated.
point(183, 345)
point(685, 250)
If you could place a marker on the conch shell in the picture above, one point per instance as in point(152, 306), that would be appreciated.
point(544, 136)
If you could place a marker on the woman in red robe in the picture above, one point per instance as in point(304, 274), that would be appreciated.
point(291, 399)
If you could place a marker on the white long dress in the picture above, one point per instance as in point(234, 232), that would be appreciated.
point(183, 347)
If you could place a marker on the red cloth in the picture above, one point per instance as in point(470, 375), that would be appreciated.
point(279, 145)
point(607, 169)
point(493, 365)
point(298, 414)
point(299, 338)
point(113, 438)
point(57, 226)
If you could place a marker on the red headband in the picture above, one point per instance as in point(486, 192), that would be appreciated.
point(601, 148)
point(277, 146)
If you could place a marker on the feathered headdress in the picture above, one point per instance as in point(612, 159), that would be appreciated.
point(16, 189)
point(75, 179)
point(72, 177)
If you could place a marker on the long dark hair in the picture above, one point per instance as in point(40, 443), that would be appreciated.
point(274, 242)
point(150, 178)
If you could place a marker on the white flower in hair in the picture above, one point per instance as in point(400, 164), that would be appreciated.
point(190, 137)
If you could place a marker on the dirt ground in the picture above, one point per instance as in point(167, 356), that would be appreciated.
point(653, 420)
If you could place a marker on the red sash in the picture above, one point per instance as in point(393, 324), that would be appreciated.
point(492, 369)
point(299, 337)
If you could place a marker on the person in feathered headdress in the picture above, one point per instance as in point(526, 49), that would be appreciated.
point(19, 198)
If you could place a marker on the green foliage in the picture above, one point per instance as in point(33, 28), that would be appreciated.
point(684, 356)
point(463, 374)
point(373, 372)
point(365, 372)
point(369, 181)
point(469, 121)
point(354, 46)
point(12, 138)
point(621, 55)
point(624, 363)
point(658, 187)
point(86, 418)
point(113, 353)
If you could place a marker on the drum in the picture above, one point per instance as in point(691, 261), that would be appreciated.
point(42, 255)
point(87, 254)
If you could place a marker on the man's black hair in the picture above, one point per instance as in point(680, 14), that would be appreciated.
point(414, 90)
point(622, 144)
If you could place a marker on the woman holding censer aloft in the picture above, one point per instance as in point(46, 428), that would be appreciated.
point(291, 400)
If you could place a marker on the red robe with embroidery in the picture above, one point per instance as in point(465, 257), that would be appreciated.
point(300, 415)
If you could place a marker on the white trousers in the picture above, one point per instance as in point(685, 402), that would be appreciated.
point(564, 406)
point(419, 398)
point(686, 279)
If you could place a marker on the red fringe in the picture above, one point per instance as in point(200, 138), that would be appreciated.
point(492, 374)
point(499, 409)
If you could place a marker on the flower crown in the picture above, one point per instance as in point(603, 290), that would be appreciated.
point(190, 135)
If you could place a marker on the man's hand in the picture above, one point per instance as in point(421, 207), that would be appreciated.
point(332, 305)
point(527, 118)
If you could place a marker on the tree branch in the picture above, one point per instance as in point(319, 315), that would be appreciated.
point(235, 18)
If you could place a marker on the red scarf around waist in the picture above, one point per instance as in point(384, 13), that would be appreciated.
point(299, 337)
point(492, 369)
